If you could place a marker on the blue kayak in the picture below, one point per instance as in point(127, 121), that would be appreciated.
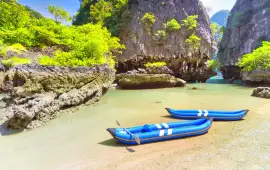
point(160, 132)
point(216, 115)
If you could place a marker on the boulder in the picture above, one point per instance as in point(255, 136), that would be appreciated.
point(263, 92)
point(35, 94)
point(256, 77)
point(144, 81)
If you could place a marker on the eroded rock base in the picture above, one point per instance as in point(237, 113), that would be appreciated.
point(35, 94)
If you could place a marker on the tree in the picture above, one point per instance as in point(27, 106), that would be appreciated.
point(100, 11)
point(113, 14)
point(217, 32)
point(60, 15)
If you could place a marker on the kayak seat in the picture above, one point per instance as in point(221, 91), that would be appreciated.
point(146, 128)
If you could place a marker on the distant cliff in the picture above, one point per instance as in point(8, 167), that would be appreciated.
point(153, 42)
point(248, 25)
point(220, 17)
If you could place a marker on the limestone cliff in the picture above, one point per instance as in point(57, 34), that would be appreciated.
point(248, 25)
point(34, 94)
point(148, 44)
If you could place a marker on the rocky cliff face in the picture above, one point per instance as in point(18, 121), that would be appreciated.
point(248, 25)
point(144, 45)
point(35, 94)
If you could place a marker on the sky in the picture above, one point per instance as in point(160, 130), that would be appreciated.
point(41, 5)
point(217, 5)
point(73, 5)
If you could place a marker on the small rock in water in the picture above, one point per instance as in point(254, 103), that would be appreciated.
point(194, 88)
point(263, 92)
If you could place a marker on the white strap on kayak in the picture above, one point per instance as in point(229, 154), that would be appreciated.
point(158, 126)
point(169, 131)
point(206, 113)
point(161, 133)
point(200, 112)
point(165, 125)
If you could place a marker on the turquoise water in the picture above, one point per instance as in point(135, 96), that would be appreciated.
point(82, 136)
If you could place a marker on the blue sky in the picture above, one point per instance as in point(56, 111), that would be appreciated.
point(40, 5)
point(72, 5)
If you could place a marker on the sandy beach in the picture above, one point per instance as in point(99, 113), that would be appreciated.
point(80, 141)
point(228, 145)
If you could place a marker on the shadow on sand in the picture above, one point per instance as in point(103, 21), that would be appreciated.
point(113, 143)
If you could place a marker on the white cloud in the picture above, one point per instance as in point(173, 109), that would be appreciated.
point(217, 5)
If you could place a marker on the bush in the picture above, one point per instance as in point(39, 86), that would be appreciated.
point(258, 59)
point(148, 19)
point(213, 64)
point(193, 41)
point(11, 62)
point(160, 35)
point(84, 45)
point(155, 64)
point(18, 48)
point(172, 25)
point(191, 22)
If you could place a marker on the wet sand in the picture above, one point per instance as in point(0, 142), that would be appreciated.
point(80, 141)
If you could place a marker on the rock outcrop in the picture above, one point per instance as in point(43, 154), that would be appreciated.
point(35, 94)
point(256, 77)
point(248, 25)
point(155, 43)
point(230, 72)
point(262, 92)
point(135, 80)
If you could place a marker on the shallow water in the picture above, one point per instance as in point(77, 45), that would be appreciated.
point(82, 136)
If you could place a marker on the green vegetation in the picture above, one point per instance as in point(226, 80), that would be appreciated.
point(148, 19)
point(217, 32)
point(109, 13)
point(11, 62)
point(155, 64)
point(172, 25)
point(191, 22)
point(241, 18)
point(193, 41)
point(213, 64)
point(160, 35)
point(258, 59)
point(17, 48)
point(84, 45)
point(60, 15)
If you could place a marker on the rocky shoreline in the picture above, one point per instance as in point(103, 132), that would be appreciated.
point(35, 94)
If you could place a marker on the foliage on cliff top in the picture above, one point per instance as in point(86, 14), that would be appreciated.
point(217, 32)
point(148, 19)
point(258, 59)
point(86, 42)
point(191, 22)
point(155, 64)
point(110, 13)
point(193, 41)
point(172, 25)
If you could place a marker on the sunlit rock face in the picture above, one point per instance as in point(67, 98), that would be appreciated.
point(33, 94)
point(248, 25)
point(144, 45)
